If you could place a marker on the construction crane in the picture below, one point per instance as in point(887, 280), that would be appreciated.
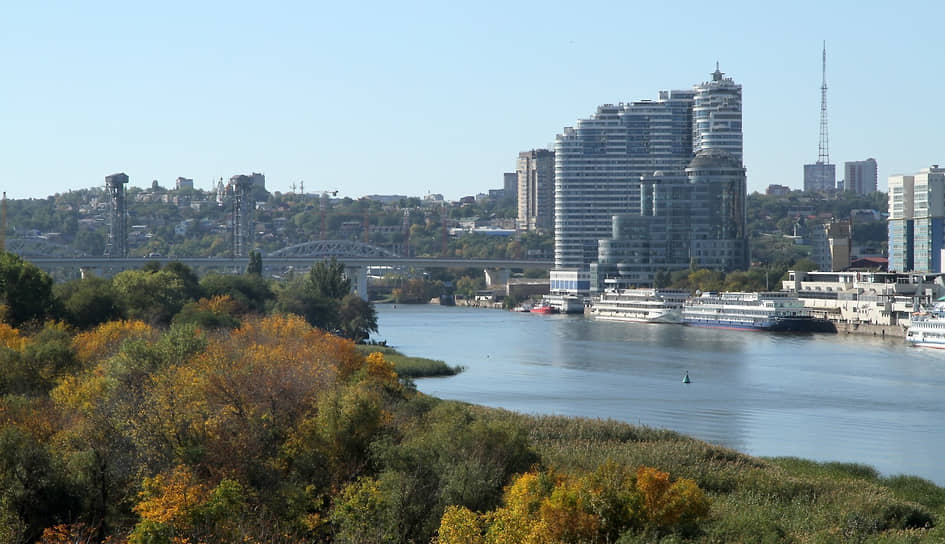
point(323, 208)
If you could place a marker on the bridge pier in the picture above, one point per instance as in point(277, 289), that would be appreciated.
point(358, 277)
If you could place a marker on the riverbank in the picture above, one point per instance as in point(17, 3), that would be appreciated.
point(747, 498)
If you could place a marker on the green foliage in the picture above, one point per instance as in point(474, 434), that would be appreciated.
point(327, 280)
point(250, 291)
point(357, 318)
point(25, 291)
point(150, 296)
point(88, 302)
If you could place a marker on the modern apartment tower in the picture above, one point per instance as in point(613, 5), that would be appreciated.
point(629, 156)
point(917, 221)
point(822, 176)
point(117, 243)
point(860, 177)
point(535, 171)
point(599, 162)
point(717, 115)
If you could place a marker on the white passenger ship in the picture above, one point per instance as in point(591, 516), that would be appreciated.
point(640, 305)
point(927, 328)
point(765, 311)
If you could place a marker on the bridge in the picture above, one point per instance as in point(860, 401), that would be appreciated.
point(356, 256)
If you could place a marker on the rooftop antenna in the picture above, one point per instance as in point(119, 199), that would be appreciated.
point(823, 153)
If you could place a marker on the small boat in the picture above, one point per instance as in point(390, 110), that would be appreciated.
point(544, 308)
point(522, 308)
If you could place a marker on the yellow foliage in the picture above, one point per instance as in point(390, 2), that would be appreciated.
point(104, 340)
point(460, 525)
point(171, 498)
point(10, 338)
point(380, 370)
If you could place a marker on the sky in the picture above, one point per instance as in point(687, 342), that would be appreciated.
point(440, 97)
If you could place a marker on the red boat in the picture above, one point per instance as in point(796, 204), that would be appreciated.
point(544, 308)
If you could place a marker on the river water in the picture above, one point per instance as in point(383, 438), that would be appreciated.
point(852, 398)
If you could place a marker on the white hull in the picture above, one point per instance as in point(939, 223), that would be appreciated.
point(639, 306)
point(669, 316)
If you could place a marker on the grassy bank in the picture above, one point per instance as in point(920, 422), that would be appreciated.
point(753, 500)
point(777, 500)
point(412, 367)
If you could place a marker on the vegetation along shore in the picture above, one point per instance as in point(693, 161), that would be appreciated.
point(230, 421)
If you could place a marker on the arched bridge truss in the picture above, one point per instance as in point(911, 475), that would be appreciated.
point(333, 248)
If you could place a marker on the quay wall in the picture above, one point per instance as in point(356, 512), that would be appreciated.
point(870, 329)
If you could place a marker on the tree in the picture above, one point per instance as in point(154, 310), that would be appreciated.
point(88, 302)
point(327, 279)
point(254, 268)
point(25, 291)
point(152, 297)
point(357, 318)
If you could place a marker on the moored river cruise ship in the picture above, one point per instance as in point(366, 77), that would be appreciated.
point(640, 305)
point(765, 311)
point(927, 328)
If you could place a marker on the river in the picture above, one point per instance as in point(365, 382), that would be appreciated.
point(851, 398)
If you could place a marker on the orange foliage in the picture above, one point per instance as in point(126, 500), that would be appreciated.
point(104, 340)
point(219, 304)
point(75, 533)
point(665, 503)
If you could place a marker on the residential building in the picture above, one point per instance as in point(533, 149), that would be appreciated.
point(693, 218)
point(917, 221)
point(831, 244)
point(630, 154)
point(535, 171)
point(777, 190)
point(717, 115)
point(820, 177)
point(510, 184)
point(258, 180)
point(860, 176)
point(599, 163)
point(183, 184)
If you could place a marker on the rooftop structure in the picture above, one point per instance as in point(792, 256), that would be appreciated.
point(116, 245)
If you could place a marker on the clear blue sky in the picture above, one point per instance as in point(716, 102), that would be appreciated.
point(410, 98)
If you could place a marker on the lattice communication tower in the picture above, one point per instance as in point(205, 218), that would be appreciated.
point(823, 153)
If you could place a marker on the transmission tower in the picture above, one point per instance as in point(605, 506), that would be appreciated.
point(823, 154)
point(117, 243)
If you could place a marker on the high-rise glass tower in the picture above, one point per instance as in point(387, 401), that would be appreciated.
point(601, 162)
point(917, 221)
point(717, 115)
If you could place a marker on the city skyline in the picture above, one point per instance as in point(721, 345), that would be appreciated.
point(437, 98)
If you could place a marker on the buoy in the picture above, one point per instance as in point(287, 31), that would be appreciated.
point(686, 379)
